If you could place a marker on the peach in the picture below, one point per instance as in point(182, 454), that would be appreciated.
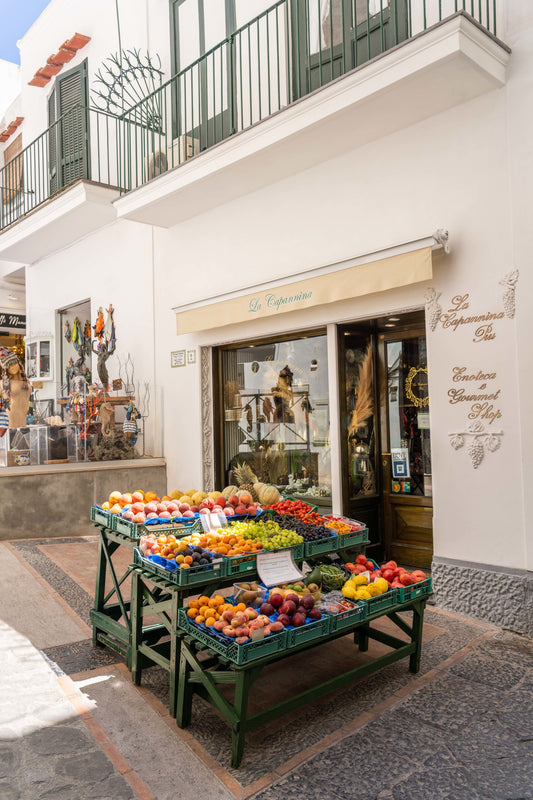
point(251, 613)
point(116, 509)
point(138, 497)
point(239, 619)
point(229, 631)
point(188, 514)
point(129, 515)
point(228, 615)
point(233, 500)
point(245, 498)
point(164, 515)
point(137, 508)
point(125, 499)
point(139, 518)
point(242, 630)
point(252, 509)
point(242, 639)
point(229, 511)
point(151, 515)
point(240, 509)
point(114, 497)
point(150, 507)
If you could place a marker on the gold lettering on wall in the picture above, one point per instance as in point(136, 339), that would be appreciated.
point(481, 400)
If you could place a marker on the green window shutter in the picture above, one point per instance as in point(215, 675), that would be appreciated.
point(68, 149)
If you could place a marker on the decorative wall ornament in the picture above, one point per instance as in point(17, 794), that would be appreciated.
point(208, 460)
point(479, 441)
point(433, 308)
point(509, 281)
point(441, 237)
point(420, 401)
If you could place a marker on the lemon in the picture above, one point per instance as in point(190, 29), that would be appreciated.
point(373, 590)
point(363, 594)
point(348, 591)
point(359, 580)
point(382, 584)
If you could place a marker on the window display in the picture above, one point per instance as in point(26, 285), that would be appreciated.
point(275, 410)
point(360, 411)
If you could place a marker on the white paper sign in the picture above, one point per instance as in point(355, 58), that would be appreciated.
point(400, 462)
point(211, 522)
point(277, 567)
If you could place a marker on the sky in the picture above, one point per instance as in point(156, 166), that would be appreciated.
point(17, 17)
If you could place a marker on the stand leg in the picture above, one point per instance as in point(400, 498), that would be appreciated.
point(418, 623)
point(174, 656)
point(361, 638)
point(99, 592)
point(242, 689)
point(184, 695)
point(136, 627)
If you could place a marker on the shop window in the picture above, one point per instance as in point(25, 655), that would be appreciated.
point(75, 347)
point(39, 359)
point(275, 415)
point(360, 415)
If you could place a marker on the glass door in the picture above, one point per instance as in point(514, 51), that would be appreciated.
point(406, 450)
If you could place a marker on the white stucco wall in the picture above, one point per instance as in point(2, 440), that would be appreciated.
point(111, 266)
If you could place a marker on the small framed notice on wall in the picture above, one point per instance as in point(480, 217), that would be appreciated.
point(191, 356)
point(177, 358)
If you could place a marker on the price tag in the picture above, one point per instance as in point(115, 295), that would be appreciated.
point(277, 567)
point(212, 522)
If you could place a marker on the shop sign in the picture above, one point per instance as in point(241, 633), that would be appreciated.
point(11, 320)
point(475, 388)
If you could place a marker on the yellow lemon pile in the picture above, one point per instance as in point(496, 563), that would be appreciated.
point(358, 588)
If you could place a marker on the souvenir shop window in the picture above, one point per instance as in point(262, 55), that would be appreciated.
point(75, 344)
point(39, 359)
point(274, 402)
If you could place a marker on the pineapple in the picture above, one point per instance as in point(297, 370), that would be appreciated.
point(245, 479)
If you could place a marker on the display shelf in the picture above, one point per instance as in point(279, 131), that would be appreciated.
point(193, 576)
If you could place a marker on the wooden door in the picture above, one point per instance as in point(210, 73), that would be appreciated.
point(406, 448)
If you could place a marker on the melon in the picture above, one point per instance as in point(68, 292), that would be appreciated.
point(229, 490)
point(269, 495)
point(186, 498)
point(198, 497)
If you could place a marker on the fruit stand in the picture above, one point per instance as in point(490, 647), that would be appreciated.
point(276, 608)
point(204, 677)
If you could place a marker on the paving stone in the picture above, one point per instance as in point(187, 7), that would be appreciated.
point(451, 702)
point(438, 784)
point(504, 778)
point(442, 759)
point(8, 791)
point(7, 763)
point(490, 668)
point(295, 788)
point(63, 792)
point(484, 738)
point(112, 788)
point(516, 714)
point(90, 767)
point(400, 731)
point(59, 739)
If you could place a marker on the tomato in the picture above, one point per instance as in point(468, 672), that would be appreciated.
point(405, 579)
point(388, 574)
point(361, 559)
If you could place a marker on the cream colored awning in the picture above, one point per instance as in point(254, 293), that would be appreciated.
point(355, 281)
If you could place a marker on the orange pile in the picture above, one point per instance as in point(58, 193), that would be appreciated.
point(208, 609)
point(225, 544)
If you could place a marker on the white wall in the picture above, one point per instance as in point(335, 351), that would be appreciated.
point(9, 85)
point(450, 171)
point(111, 266)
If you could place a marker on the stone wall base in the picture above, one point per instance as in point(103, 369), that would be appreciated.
point(500, 596)
point(43, 502)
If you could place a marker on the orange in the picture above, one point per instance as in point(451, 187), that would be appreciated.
point(106, 505)
point(210, 621)
point(194, 604)
point(185, 566)
point(199, 619)
point(240, 607)
point(192, 613)
point(148, 496)
point(114, 497)
point(166, 497)
point(218, 598)
point(203, 600)
point(188, 560)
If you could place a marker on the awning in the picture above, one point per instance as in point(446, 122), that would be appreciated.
point(344, 283)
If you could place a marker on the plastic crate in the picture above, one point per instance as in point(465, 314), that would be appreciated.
point(102, 517)
point(354, 538)
point(238, 653)
point(414, 590)
point(137, 529)
point(318, 546)
point(381, 602)
point(182, 577)
point(345, 619)
point(239, 565)
point(309, 631)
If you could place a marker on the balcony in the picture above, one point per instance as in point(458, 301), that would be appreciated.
point(304, 81)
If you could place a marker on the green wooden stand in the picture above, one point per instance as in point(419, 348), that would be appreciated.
point(111, 614)
point(205, 676)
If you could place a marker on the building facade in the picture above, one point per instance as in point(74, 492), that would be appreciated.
point(313, 223)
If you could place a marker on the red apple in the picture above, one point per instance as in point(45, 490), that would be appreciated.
point(288, 607)
point(293, 597)
point(298, 620)
point(284, 619)
point(276, 599)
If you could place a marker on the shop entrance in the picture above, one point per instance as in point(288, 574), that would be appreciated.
point(387, 479)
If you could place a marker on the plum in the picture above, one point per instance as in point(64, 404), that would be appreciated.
point(314, 613)
point(298, 620)
point(267, 609)
point(284, 619)
point(307, 601)
point(288, 607)
point(276, 599)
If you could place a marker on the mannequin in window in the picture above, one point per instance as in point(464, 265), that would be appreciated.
point(283, 396)
point(16, 388)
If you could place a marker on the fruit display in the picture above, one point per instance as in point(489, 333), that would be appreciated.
point(296, 508)
point(243, 538)
point(397, 577)
point(290, 609)
point(176, 551)
point(251, 594)
point(234, 621)
point(332, 577)
point(358, 587)
point(247, 481)
point(309, 531)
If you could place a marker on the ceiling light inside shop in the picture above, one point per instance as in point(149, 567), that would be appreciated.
point(394, 319)
point(12, 297)
point(390, 325)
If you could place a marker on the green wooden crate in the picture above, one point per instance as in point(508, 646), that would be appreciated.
point(414, 590)
point(102, 517)
point(238, 653)
point(203, 573)
point(345, 619)
point(309, 631)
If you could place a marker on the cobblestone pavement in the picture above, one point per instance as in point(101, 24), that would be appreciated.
point(74, 727)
